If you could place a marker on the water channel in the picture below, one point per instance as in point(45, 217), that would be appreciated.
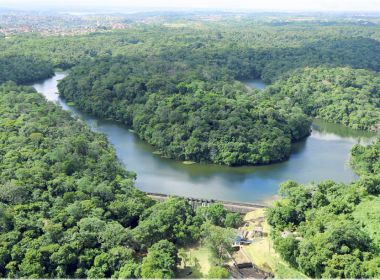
point(323, 155)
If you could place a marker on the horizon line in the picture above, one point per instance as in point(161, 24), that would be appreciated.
point(109, 9)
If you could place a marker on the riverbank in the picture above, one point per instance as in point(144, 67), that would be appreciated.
point(323, 155)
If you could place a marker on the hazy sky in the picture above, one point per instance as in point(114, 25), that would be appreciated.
point(270, 5)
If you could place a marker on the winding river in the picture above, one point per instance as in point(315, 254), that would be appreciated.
point(323, 155)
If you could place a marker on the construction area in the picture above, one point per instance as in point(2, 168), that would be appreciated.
point(242, 265)
point(254, 254)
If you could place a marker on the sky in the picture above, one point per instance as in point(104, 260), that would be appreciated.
point(258, 5)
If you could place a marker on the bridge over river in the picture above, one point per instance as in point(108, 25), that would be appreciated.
point(238, 207)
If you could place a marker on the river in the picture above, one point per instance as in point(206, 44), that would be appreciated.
point(323, 155)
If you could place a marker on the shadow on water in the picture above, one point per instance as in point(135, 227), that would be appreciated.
point(323, 155)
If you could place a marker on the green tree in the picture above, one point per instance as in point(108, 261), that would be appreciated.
point(161, 261)
point(183, 255)
point(215, 213)
point(288, 249)
point(218, 272)
point(233, 220)
point(219, 241)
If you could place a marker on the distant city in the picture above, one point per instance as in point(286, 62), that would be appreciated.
point(76, 22)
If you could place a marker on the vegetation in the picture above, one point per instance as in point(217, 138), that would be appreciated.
point(183, 113)
point(326, 230)
point(339, 95)
point(249, 48)
point(218, 240)
point(261, 251)
point(60, 185)
point(365, 161)
point(218, 216)
point(176, 87)
point(21, 69)
point(185, 101)
point(218, 272)
point(161, 261)
point(198, 262)
point(69, 209)
point(367, 213)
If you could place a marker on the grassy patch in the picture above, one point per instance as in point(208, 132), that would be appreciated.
point(367, 213)
point(199, 263)
point(254, 215)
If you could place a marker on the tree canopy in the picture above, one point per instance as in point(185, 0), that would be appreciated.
point(68, 208)
point(339, 95)
point(24, 69)
point(330, 230)
point(185, 114)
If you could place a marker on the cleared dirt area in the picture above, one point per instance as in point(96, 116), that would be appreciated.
point(261, 251)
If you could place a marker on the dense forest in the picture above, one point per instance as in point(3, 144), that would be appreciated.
point(366, 160)
point(68, 208)
point(331, 230)
point(187, 112)
point(339, 95)
point(22, 69)
point(186, 102)
point(28, 58)
point(249, 49)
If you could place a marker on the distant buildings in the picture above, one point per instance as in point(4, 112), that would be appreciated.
point(58, 24)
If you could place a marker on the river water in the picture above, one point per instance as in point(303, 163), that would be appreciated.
point(323, 155)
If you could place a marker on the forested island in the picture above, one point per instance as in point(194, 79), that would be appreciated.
point(69, 208)
point(198, 111)
point(188, 116)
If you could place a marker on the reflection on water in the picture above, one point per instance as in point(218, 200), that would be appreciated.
point(335, 132)
point(256, 83)
point(323, 155)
